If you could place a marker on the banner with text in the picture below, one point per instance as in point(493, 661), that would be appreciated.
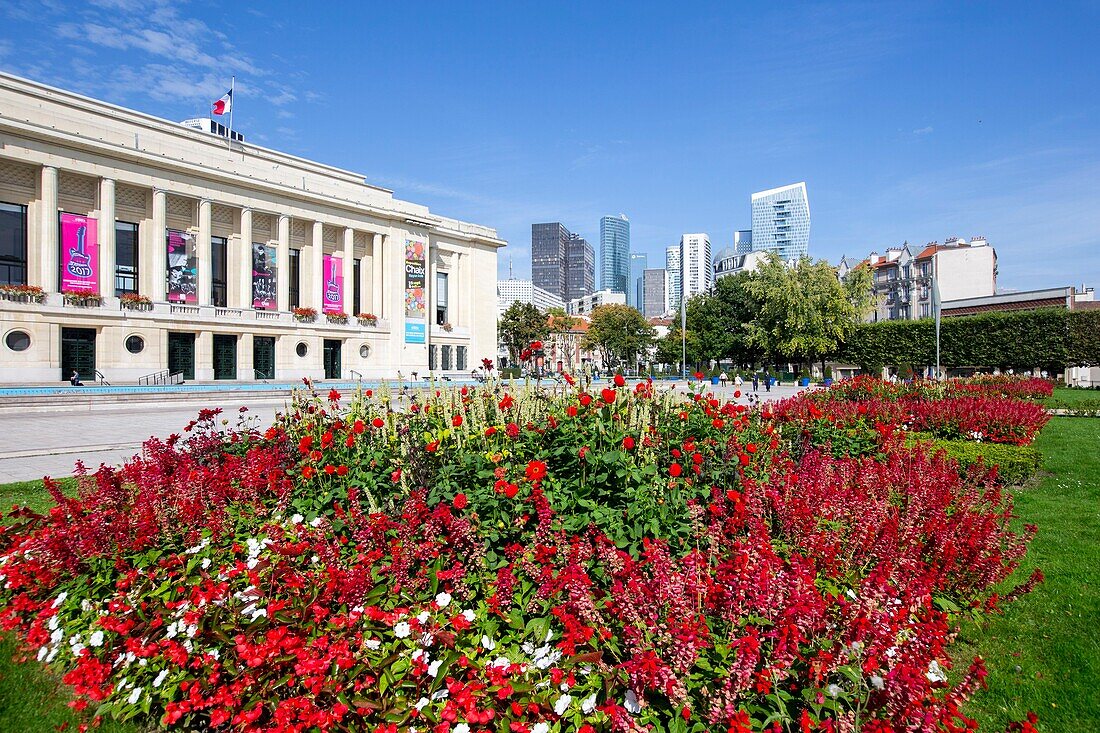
point(265, 292)
point(334, 284)
point(415, 275)
point(79, 253)
point(183, 268)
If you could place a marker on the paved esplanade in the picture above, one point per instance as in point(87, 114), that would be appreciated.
point(41, 443)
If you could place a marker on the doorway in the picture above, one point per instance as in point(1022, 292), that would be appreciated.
point(332, 349)
point(225, 356)
point(78, 353)
point(263, 357)
point(181, 354)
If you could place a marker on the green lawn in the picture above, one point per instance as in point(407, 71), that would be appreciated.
point(1043, 654)
point(1067, 398)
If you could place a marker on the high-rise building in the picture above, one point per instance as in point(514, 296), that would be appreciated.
point(781, 221)
point(638, 263)
point(742, 241)
point(614, 253)
point(695, 265)
point(549, 243)
point(580, 268)
point(654, 299)
point(672, 277)
point(512, 290)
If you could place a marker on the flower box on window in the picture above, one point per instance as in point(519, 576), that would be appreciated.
point(82, 298)
point(305, 315)
point(367, 319)
point(22, 293)
point(135, 302)
point(341, 318)
point(447, 327)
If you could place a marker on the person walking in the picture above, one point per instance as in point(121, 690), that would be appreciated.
point(723, 378)
point(767, 383)
point(755, 381)
point(737, 381)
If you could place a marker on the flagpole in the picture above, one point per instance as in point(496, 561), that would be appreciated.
point(936, 302)
point(232, 84)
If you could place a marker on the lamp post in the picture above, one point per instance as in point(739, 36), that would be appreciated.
point(683, 335)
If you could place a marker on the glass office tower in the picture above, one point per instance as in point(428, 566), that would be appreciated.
point(781, 221)
point(614, 253)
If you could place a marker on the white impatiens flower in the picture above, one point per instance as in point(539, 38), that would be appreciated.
point(421, 703)
point(372, 644)
point(934, 673)
point(487, 643)
point(96, 639)
point(468, 615)
point(833, 690)
point(60, 599)
point(540, 728)
point(443, 599)
point(160, 678)
point(423, 617)
point(315, 522)
point(426, 639)
point(631, 703)
point(134, 696)
point(877, 682)
point(433, 668)
point(297, 519)
point(205, 563)
point(401, 629)
point(461, 728)
point(42, 652)
point(588, 704)
point(562, 704)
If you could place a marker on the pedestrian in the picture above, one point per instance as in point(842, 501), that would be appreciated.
point(767, 383)
point(755, 381)
point(737, 381)
point(723, 378)
point(74, 379)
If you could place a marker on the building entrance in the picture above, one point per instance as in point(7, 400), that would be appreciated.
point(181, 354)
point(78, 353)
point(225, 356)
point(332, 350)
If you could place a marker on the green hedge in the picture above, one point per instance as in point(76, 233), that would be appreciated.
point(1048, 338)
point(1016, 464)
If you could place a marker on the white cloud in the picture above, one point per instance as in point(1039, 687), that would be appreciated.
point(923, 130)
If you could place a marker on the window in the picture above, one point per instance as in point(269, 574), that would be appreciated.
point(461, 365)
point(355, 270)
point(447, 358)
point(218, 275)
point(126, 257)
point(440, 298)
point(135, 344)
point(432, 361)
point(364, 351)
point(13, 244)
point(294, 267)
point(301, 349)
point(18, 340)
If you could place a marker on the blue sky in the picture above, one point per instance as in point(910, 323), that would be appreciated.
point(909, 121)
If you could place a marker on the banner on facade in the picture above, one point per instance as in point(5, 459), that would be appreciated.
point(265, 294)
point(415, 276)
point(183, 268)
point(79, 253)
point(333, 297)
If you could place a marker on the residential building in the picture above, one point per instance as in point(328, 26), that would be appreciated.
point(903, 281)
point(781, 221)
point(564, 352)
point(696, 271)
point(224, 238)
point(654, 299)
point(638, 263)
point(580, 268)
point(524, 291)
point(730, 262)
point(614, 253)
point(672, 273)
point(549, 247)
point(584, 306)
point(1068, 297)
point(742, 241)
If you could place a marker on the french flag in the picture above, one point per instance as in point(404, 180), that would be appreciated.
point(224, 104)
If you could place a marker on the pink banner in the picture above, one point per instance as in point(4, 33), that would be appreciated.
point(333, 296)
point(79, 253)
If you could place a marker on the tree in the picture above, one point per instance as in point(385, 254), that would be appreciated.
point(670, 349)
point(521, 324)
point(803, 310)
point(720, 319)
point(618, 332)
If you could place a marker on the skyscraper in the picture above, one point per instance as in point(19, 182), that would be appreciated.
point(638, 263)
point(696, 271)
point(548, 250)
point(654, 299)
point(614, 253)
point(580, 268)
point(742, 241)
point(672, 275)
point(781, 221)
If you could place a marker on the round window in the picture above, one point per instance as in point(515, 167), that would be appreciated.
point(18, 340)
point(364, 351)
point(135, 344)
point(302, 349)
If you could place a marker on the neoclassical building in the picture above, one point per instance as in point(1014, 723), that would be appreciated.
point(103, 208)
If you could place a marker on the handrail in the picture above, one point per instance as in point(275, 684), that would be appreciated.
point(100, 378)
point(357, 374)
point(262, 376)
point(154, 378)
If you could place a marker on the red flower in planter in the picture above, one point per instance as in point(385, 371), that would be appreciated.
point(505, 402)
point(675, 470)
point(378, 422)
point(456, 420)
point(585, 399)
point(619, 381)
point(628, 443)
point(333, 396)
point(536, 471)
point(608, 395)
point(358, 427)
point(460, 501)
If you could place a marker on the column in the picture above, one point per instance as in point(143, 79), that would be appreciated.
point(316, 283)
point(378, 262)
point(282, 263)
point(349, 271)
point(48, 275)
point(203, 247)
point(366, 280)
point(244, 271)
point(159, 276)
point(106, 237)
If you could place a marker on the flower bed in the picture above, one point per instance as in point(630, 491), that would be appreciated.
point(613, 560)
